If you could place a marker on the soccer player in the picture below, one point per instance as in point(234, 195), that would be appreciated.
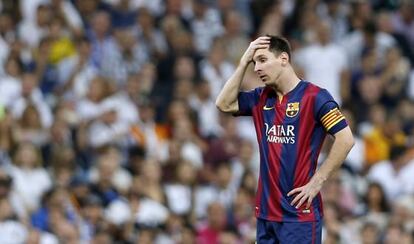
point(292, 118)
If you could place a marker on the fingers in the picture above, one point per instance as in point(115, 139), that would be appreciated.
point(305, 194)
point(294, 191)
point(263, 38)
point(261, 46)
point(261, 42)
point(302, 200)
point(308, 205)
point(297, 198)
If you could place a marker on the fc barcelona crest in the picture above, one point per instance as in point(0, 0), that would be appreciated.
point(292, 109)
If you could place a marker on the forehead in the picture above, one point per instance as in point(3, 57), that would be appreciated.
point(263, 52)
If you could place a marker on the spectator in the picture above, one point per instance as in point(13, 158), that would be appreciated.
point(76, 72)
point(124, 56)
point(149, 35)
point(30, 179)
point(381, 139)
point(33, 30)
point(179, 193)
point(207, 114)
point(205, 25)
point(10, 83)
point(394, 175)
point(376, 200)
point(216, 69)
point(364, 38)
point(233, 37)
point(369, 233)
point(403, 21)
point(335, 79)
point(10, 229)
point(100, 36)
point(209, 232)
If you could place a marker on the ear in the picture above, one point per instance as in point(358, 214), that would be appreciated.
point(285, 58)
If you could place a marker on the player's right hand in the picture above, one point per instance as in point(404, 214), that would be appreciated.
point(261, 42)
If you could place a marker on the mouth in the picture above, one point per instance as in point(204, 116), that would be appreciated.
point(263, 78)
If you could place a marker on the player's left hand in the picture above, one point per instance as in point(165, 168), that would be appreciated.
point(305, 193)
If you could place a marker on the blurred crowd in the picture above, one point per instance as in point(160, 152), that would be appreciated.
point(109, 132)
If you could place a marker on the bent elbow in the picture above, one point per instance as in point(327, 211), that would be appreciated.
point(226, 104)
point(224, 107)
point(220, 106)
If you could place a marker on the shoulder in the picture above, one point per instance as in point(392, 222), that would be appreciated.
point(311, 90)
point(316, 91)
point(318, 96)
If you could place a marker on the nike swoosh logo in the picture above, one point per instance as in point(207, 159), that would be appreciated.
point(267, 108)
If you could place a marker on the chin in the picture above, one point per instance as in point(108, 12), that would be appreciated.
point(267, 83)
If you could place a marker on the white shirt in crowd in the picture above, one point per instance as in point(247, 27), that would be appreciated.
point(12, 232)
point(326, 70)
point(37, 98)
point(208, 116)
point(353, 44)
point(395, 183)
point(205, 29)
point(217, 79)
point(30, 185)
point(4, 52)
point(10, 90)
point(81, 80)
point(179, 198)
point(101, 133)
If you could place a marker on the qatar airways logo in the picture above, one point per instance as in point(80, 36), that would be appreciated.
point(280, 133)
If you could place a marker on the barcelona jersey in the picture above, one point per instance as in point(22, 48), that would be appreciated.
point(290, 132)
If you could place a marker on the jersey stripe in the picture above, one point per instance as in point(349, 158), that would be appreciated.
point(303, 164)
point(289, 156)
point(274, 200)
point(262, 190)
point(318, 136)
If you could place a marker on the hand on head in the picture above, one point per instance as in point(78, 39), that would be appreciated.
point(261, 42)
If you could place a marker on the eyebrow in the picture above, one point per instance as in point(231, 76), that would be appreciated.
point(259, 56)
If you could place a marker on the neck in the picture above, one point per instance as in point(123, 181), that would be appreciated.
point(286, 82)
point(375, 206)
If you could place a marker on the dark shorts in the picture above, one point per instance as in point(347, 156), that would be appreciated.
point(289, 232)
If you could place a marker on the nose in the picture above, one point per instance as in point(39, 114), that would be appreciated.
point(256, 68)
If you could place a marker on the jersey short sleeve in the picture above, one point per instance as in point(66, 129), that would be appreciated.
point(247, 100)
point(327, 112)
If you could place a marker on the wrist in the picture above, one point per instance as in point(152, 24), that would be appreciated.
point(319, 179)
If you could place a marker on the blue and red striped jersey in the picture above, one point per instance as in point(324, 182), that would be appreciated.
point(290, 132)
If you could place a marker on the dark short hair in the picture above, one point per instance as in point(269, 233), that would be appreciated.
point(397, 151)
point(370, 27)
point(278, 45)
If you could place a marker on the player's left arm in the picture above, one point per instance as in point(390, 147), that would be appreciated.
point(340, 148)
point(335, 124)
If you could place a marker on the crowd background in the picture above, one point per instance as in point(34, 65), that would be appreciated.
point(109, 131)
